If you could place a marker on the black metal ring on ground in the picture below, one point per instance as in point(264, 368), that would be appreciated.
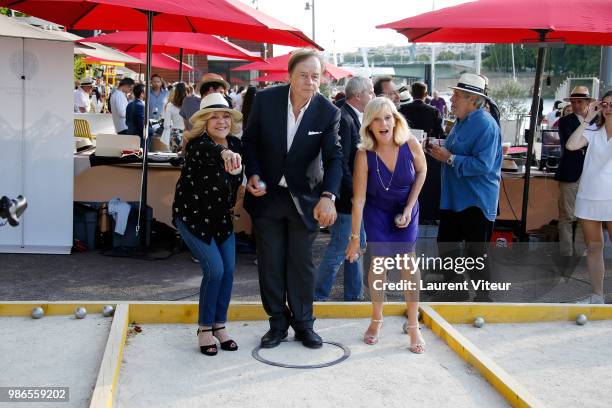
point(345, 349)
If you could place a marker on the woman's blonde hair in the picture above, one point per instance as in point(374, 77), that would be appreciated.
point(199, 127)
point(401, 131)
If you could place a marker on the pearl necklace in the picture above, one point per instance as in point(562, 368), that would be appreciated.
point(380, 178)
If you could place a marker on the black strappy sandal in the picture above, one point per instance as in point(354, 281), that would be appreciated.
point(229, 345)
point(211, 349)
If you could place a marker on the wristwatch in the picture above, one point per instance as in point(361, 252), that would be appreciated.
point(330, 196)
point(451, 160)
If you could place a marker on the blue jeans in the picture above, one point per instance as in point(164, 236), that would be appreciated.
point(333, 258)
point(218, 263)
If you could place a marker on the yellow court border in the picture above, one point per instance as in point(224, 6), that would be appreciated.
point(440, 317)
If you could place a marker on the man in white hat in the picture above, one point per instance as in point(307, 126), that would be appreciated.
point(569, 172)
point(471, 172)
point(210, 83)
point(82, 94)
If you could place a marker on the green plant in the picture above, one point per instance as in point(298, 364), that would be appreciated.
point(79, 67)
point(509, 98)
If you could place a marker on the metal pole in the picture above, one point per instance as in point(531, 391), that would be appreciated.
point(478, 58)
point(313, 20)
point(533, 120)
point(180, 65)
point(605, 71)
point(432, 80)
point(142, 214)
point(513, 66)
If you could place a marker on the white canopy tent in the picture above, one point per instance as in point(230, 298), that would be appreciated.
point(36, 136)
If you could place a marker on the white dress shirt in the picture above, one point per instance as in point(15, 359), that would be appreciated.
point(119, 103)
point(293, 124)
point(81, 100)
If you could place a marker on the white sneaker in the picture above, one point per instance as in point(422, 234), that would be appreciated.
point(593, 299)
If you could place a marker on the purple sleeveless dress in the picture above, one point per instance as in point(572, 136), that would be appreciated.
point(382, 205)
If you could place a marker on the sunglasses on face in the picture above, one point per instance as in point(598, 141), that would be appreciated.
point(606, 104)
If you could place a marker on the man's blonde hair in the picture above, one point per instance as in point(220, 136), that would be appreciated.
point(401, 131)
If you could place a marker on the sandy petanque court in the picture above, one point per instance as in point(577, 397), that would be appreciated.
point(147, 356)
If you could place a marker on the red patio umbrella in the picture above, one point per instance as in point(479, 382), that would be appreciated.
point(158, 60)
point(273, 76)
point(279, 64)
point(174, 43)
point(221, 17)
point(542, 22)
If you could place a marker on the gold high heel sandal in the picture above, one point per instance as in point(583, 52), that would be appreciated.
point(373, 339)
point(416, 348)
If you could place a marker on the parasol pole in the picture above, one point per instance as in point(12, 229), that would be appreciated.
point(180, 78)
point(141, 230)
point(533, 120)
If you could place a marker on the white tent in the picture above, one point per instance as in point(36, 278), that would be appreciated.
point(36, 136)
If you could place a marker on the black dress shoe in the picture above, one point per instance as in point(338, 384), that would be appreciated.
point(309, 338)
point(273, 338)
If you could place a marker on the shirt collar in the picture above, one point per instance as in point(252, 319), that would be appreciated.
point(359, 114)
point(290, 106)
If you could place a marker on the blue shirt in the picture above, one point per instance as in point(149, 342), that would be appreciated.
point(157, 102)
point(473, 180)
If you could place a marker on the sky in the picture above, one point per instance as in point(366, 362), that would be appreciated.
point(345, 25)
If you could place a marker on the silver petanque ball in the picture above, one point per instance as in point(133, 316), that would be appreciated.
point(262, 185)
point(37, 312)
point(581, 320)
point(80, 313)
point(479, 322)
point(236, 172)
point(399, 218)
point(108, 311)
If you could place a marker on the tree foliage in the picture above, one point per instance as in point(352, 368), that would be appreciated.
point(79, 67)
point(509, 98)
point(570, 60)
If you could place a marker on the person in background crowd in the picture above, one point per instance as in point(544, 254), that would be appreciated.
point(359, 91)
point(118, 104)
point(571, 238)
point(594, 198)
point(404, 96)
point(82, 95)
point(339, 99)
point(552, 116)
point(471, 174)
point(135, 116)
point(440, 104)
point(389, 172)
point(247, 103)
point(490, 104)
point(420, 115)
point(384, 86)
point(291, 144)
point(202, 211)
point(174, 125)
point(98, 101)
point(158, 95)
point(566, 109)
point(210, 83)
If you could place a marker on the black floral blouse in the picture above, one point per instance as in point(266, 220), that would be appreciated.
point(205, 193)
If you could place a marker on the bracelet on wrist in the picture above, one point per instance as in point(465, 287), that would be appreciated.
point(354, 236)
